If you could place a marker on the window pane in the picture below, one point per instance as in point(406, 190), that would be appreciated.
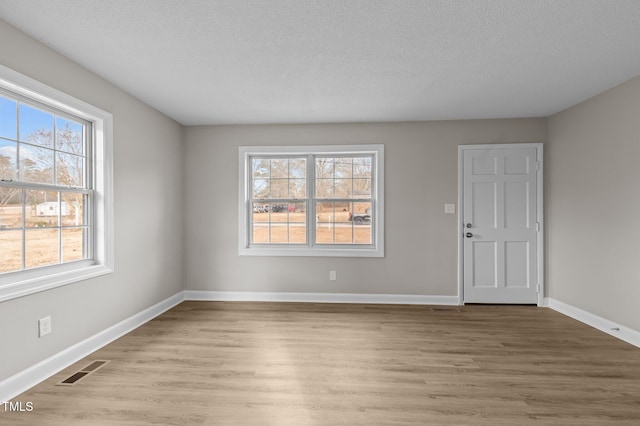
point(279, 188)
point(343, 228)
point(41, 247)
point(69, 136)
point(344, 177)
point(279, 168)
point(297, 188)
point(8, 154)
point(283, 223)
point(362, 167)
point(36, 164)
point(10, 250)
point(297, 168)
point(343, 223)
point(324, 188)
point(261, 188)
point(361, 188)
point(361, 217)
point(343, 188)
point(260, 168)
point(344, 167)
point(297, 223)
point(8, 118)
point(325, 168)
point(73, 244)
point(278, 178)
point(69, 170)
point(279, 232)
point(259, 210)
point(73, 208)
point(36, 126)
point(325, 222)
point(260, 223)
point(10, 208)
point(42, 209)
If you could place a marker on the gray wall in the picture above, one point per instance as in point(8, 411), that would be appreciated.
point(420, 177)
point(593, 194)
point(148, 216)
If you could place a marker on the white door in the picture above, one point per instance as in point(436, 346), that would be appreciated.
point(500, 234)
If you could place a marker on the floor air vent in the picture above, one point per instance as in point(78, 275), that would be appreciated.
point(73, 379)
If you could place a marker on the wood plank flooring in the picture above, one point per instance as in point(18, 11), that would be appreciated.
point(236, 363)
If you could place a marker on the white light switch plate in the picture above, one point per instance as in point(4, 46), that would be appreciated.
point(450, 208)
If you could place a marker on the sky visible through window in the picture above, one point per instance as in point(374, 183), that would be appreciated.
point(29, 134)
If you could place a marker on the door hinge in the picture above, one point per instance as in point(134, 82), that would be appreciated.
point(538, 288)
point(537, 165)
point(537, 226)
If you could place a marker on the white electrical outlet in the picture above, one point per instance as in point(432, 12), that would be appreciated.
point(332, 275)
point(44, 326)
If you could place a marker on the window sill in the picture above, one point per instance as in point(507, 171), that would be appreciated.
point(34, 281)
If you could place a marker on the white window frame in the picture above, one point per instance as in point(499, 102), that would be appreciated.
point(25, 282)
point(376, 249)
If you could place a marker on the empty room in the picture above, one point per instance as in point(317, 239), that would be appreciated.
point(298, 212)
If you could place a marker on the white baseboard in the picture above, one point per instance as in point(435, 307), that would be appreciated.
point(400, 299)
point(15, 385)
point(616, 330)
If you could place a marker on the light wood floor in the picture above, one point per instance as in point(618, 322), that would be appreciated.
point(220, 363)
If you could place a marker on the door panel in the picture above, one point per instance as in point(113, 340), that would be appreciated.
point(500, 225)
point(517, 262)
point(484, 204)
point(485, 166)
point(516, 205)
point(484, 272)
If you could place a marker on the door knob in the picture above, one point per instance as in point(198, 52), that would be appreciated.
point(469, 235)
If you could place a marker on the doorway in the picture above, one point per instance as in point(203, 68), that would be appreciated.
point(500, 224)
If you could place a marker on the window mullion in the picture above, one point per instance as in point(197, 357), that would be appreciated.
point(249, 200)
point(23, 200)
point(59, 225)
point(311, 195)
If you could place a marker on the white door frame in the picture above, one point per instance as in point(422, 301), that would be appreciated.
point(540, 212)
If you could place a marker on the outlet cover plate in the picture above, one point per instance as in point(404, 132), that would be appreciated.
point(44, 326)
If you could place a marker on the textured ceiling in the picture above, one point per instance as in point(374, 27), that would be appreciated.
point(301, 61)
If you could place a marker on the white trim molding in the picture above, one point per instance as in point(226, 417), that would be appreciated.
point(616, 330)
point(16, 384)
point(397, 299)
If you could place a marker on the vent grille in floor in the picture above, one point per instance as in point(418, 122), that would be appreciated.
point(73, 379)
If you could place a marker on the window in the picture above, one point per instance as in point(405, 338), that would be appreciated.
point(55, 188)
point(312, 201)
